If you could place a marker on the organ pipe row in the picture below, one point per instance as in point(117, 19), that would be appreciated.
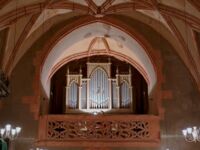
point(98, 91)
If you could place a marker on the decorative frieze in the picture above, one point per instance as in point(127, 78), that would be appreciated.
point(98, 130)
point(68, 130)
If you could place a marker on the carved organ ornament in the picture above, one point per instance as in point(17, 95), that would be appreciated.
point(98, 92)
point(100, 86)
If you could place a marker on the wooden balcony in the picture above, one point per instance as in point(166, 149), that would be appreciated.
point(99, 131)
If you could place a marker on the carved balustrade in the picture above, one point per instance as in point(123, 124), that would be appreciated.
point(99, 131)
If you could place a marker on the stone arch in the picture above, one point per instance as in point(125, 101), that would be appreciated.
point(62, 52)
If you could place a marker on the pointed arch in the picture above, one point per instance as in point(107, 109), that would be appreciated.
point(68, 48)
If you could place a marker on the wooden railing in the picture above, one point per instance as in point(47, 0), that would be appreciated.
point(99, 131)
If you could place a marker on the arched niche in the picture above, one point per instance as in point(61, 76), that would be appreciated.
point(103, 84)
point(77, 44)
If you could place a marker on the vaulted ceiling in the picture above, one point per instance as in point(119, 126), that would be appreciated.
point(22, 22)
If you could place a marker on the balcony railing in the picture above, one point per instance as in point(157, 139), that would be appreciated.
point(99, 131)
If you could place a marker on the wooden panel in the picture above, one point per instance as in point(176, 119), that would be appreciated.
point(100, 130)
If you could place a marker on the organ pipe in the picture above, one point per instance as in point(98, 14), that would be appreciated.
point(99, 91)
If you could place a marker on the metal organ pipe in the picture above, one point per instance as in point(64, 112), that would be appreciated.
point(99, 90)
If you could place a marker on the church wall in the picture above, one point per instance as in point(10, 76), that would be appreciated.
point(181, 110)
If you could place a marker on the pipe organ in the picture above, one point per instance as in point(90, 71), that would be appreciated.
point(98, 92)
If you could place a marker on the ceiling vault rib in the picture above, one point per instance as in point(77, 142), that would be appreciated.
point(4, 3)
point(106, 5)
point(92, 6)
point(72, 6)
point(197, 41)
point(189, 19)
point(126, 6)
point(83, 20)
point(12, 16)
point(106, 44)
point(154, 2)
point(23, 36)
point(91, 44)
point(32, 9)
point(185, 47)
point(195, 4)
point(20, 41)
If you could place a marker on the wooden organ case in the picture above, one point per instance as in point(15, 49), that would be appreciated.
point(98, 92)
point(98, 105)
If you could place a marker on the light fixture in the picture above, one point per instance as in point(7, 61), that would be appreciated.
point(95, 113)
point(37, 148)
point(191, 134)
point(8, 132)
